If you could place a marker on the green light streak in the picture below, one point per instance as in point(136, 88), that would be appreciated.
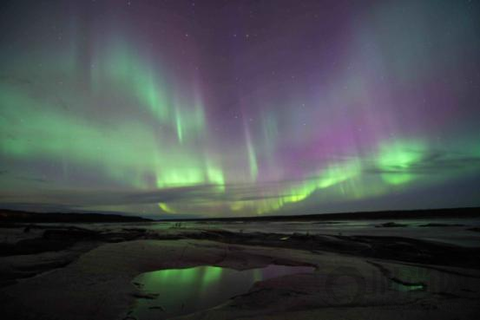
point(180, 177)
point(215, 176)
point(178, 121)
point(333, 174)
point(397, 159)
point(166, 208)
point(211, 274)
point(252, 158)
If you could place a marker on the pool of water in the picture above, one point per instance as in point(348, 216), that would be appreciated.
point(175, 292)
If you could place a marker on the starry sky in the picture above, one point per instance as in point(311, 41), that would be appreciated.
point(216, 108)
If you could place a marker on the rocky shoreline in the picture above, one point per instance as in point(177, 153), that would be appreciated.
point(77, 272)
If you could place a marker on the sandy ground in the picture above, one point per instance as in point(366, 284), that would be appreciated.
point(62, 273)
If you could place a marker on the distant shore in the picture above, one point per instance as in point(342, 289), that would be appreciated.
point(362, 215)
point(13, 216)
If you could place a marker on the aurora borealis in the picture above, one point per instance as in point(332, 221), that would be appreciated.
point(228, 108)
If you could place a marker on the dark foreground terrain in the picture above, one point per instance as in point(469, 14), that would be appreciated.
point(388, 266)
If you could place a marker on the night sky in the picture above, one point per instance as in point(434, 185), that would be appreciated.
point(214, 108)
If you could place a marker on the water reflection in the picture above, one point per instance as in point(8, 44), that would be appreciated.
point(177, 292)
